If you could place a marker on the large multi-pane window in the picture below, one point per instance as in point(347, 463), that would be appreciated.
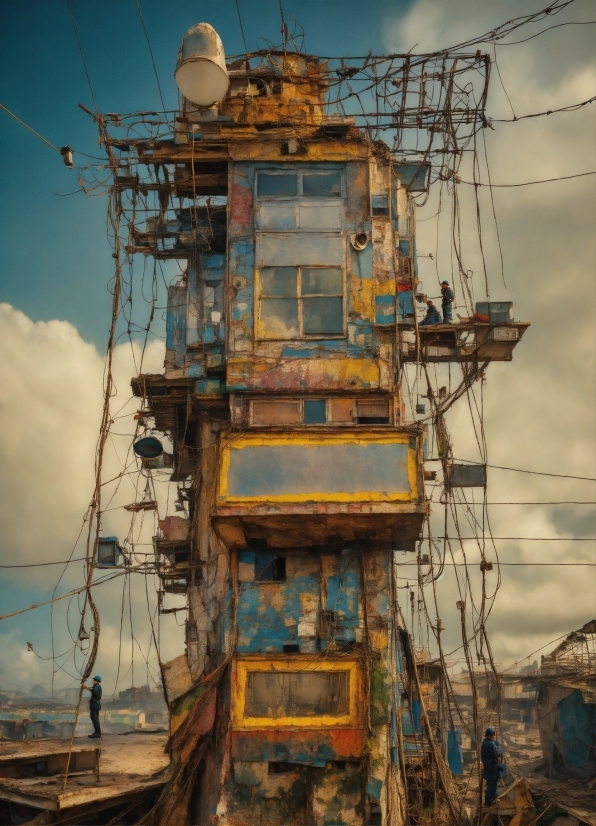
point(301, 301)
point(299, 253)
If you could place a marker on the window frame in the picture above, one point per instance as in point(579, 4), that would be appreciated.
point(300, 172)
point(295, 663)
point(328, 403)
point(302, 336)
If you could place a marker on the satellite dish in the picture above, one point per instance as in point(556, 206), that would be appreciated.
point(201, 73)
point(148, 447)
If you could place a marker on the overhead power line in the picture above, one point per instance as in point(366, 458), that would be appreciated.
point(30, 128)
point(241, 26)
point(573, 107)
point(528, 183)
point(530, 538)
point(522, 470)
point(74, 26)
point(163, 106)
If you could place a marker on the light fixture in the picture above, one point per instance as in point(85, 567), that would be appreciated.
point(67, 157)
point(201, 73)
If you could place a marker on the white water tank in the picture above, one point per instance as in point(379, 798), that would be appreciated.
point(201, 73)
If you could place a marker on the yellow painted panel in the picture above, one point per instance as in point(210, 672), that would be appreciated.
point(304, 439)
point(242, 668)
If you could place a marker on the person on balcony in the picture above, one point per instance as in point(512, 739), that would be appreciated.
point(447, 299)
point(433, 316)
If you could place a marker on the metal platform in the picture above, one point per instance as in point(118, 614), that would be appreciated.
point(103, 774)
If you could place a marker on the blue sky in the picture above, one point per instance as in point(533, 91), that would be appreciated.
point(56, 262)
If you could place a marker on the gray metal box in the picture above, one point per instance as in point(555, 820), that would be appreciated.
point(467, 476)
point(499, 312)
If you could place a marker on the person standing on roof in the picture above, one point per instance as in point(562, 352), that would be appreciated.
point(491, 766)
point(447, 299)
point(95, 704)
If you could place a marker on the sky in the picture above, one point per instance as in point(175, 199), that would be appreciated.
point(57, 264)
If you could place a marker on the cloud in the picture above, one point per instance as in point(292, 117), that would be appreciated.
point(52, 384)
point(539, 409)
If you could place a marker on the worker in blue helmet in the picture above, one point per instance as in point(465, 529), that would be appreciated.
point(447, 299)
point(433, 316)
point(491, 765)
point(95, 705)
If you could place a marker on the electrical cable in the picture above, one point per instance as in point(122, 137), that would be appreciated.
point(528, 183)
point(163, 106)
point(30, 128)
point(74, 26)
point(241, 26)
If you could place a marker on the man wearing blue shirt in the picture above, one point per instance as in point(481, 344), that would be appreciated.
point(95, 705)
point(447, 299)
point(491, 767)
point(433, 316)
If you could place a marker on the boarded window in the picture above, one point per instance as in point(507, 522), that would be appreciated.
point(322, 185)
point(297, 694)
point(341, 410)
point(301, 301)
point(275, 412)
point(284, 184)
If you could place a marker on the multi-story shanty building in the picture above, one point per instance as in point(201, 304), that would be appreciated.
point(300, 474)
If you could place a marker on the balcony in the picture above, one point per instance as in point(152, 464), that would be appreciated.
point(467, 341)
point(304, 489)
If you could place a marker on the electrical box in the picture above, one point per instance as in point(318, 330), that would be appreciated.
point(498, 312)
point(467, 476)
point(415, 177)
point(108, 552)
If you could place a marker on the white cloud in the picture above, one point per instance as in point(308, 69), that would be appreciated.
point(539, 409)
point(52, 384)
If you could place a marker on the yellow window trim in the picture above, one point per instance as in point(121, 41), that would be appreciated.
point(307, 439)
point(242, 668)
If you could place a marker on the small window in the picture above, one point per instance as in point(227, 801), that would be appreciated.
point(297, 694)
point(372, 412)
point(301, 301)
point(270, 568)
point(282, 768)
point(321, 185)
point(277, 185)
point(275, 412)
point(341, 410)
point(314, 411)
point(380, 205)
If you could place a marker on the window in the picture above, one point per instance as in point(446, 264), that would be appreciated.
point(298, 183)
point(380, 205)
point(275, 412)
point(283, 184)
point(314, 411)
point(372, 412)
point(297, 694)
point(322, 185)
point(270, 568)
point(301, 301)
point(330, 411)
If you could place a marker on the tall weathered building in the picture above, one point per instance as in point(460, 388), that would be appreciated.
point(302, 478)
